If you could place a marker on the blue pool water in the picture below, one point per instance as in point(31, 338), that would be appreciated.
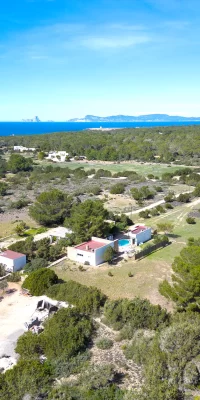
point(123, 242)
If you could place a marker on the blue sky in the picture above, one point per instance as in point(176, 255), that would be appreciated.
point(61, 59)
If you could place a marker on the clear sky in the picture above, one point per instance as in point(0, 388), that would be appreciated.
point(61, 59)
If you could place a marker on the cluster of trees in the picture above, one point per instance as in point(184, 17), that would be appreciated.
point(134, 314)
point(41, 249)
point(176, 143)
point(144, 193)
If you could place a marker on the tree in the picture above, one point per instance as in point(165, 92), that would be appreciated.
point(108, 254)
point(51, 208)
point(66, 334)
point(28, 377)
point(18, 163)
point(39, 281)
point(41, 155)
point(88, 219)
point(3, 188)
point(28, 346)
point(166, 227)
point(185, 289)
point(35, 264)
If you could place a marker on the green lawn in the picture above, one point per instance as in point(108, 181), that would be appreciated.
point(141, 168)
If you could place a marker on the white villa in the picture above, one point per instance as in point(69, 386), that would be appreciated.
point(57, 156)
point(139, 234)
point(22, 148)
point(12, 261)
point(91, 252)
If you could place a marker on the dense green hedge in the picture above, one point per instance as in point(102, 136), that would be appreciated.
point(87, 299)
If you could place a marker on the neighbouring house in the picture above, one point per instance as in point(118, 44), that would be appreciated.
point(58, 233)
point(54, 234)
point(92, 252)
point(22, 148)
point(57, 156)
point(139, 234)
point(12, 261)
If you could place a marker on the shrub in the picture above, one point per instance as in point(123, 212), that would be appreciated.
point(184, 197)
point(87, 299)
point(190, 220)
point(108, 254)
point(117, 189)
point(104, 343)
point(130, 274)
point(39, 281)
point(168, 206)
point(14, 277)
point(144, 214)
point(110, 273)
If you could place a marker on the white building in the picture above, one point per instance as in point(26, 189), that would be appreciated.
point(57, 156)
point(139, 234)
point(22, 148)
point(91, 252)
point(12, 261)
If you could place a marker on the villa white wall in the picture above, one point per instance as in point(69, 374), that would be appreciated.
point(13, 265)
point(143, 237)
point(100, 253)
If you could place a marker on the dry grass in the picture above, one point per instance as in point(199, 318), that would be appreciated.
point(146, 277)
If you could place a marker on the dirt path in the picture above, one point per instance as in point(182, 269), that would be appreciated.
point(157, 203)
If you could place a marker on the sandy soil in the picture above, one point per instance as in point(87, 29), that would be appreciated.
point(15, 310)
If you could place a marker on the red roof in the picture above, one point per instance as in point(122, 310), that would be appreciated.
point(13, 255)
point(139, 229)
point(90, 246)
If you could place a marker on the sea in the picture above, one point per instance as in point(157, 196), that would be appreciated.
point(38, 128)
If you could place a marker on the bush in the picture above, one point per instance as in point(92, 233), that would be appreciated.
point(137, 313)
point(39, 281)
point(87, 299)
point(110, 273)
point(117, 189)
point(14, 277)
point(130, 274)
point(168, 206)
point(144, 214)
point(190, 220)
point(104, 343)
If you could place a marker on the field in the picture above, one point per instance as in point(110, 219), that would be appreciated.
point(148, 272)
point(139, 167)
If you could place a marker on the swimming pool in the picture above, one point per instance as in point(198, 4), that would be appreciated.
point(124, 242)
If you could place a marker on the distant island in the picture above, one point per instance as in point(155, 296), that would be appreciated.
point(35, 119)
point(140, 118)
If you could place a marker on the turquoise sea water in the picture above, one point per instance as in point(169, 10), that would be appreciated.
point(34, 128)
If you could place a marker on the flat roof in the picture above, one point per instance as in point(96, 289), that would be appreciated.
point(13, 255)
point(90, 246)
point(138, 229)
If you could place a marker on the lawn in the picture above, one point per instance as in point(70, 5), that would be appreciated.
point(144, 283)
point(141, 168)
